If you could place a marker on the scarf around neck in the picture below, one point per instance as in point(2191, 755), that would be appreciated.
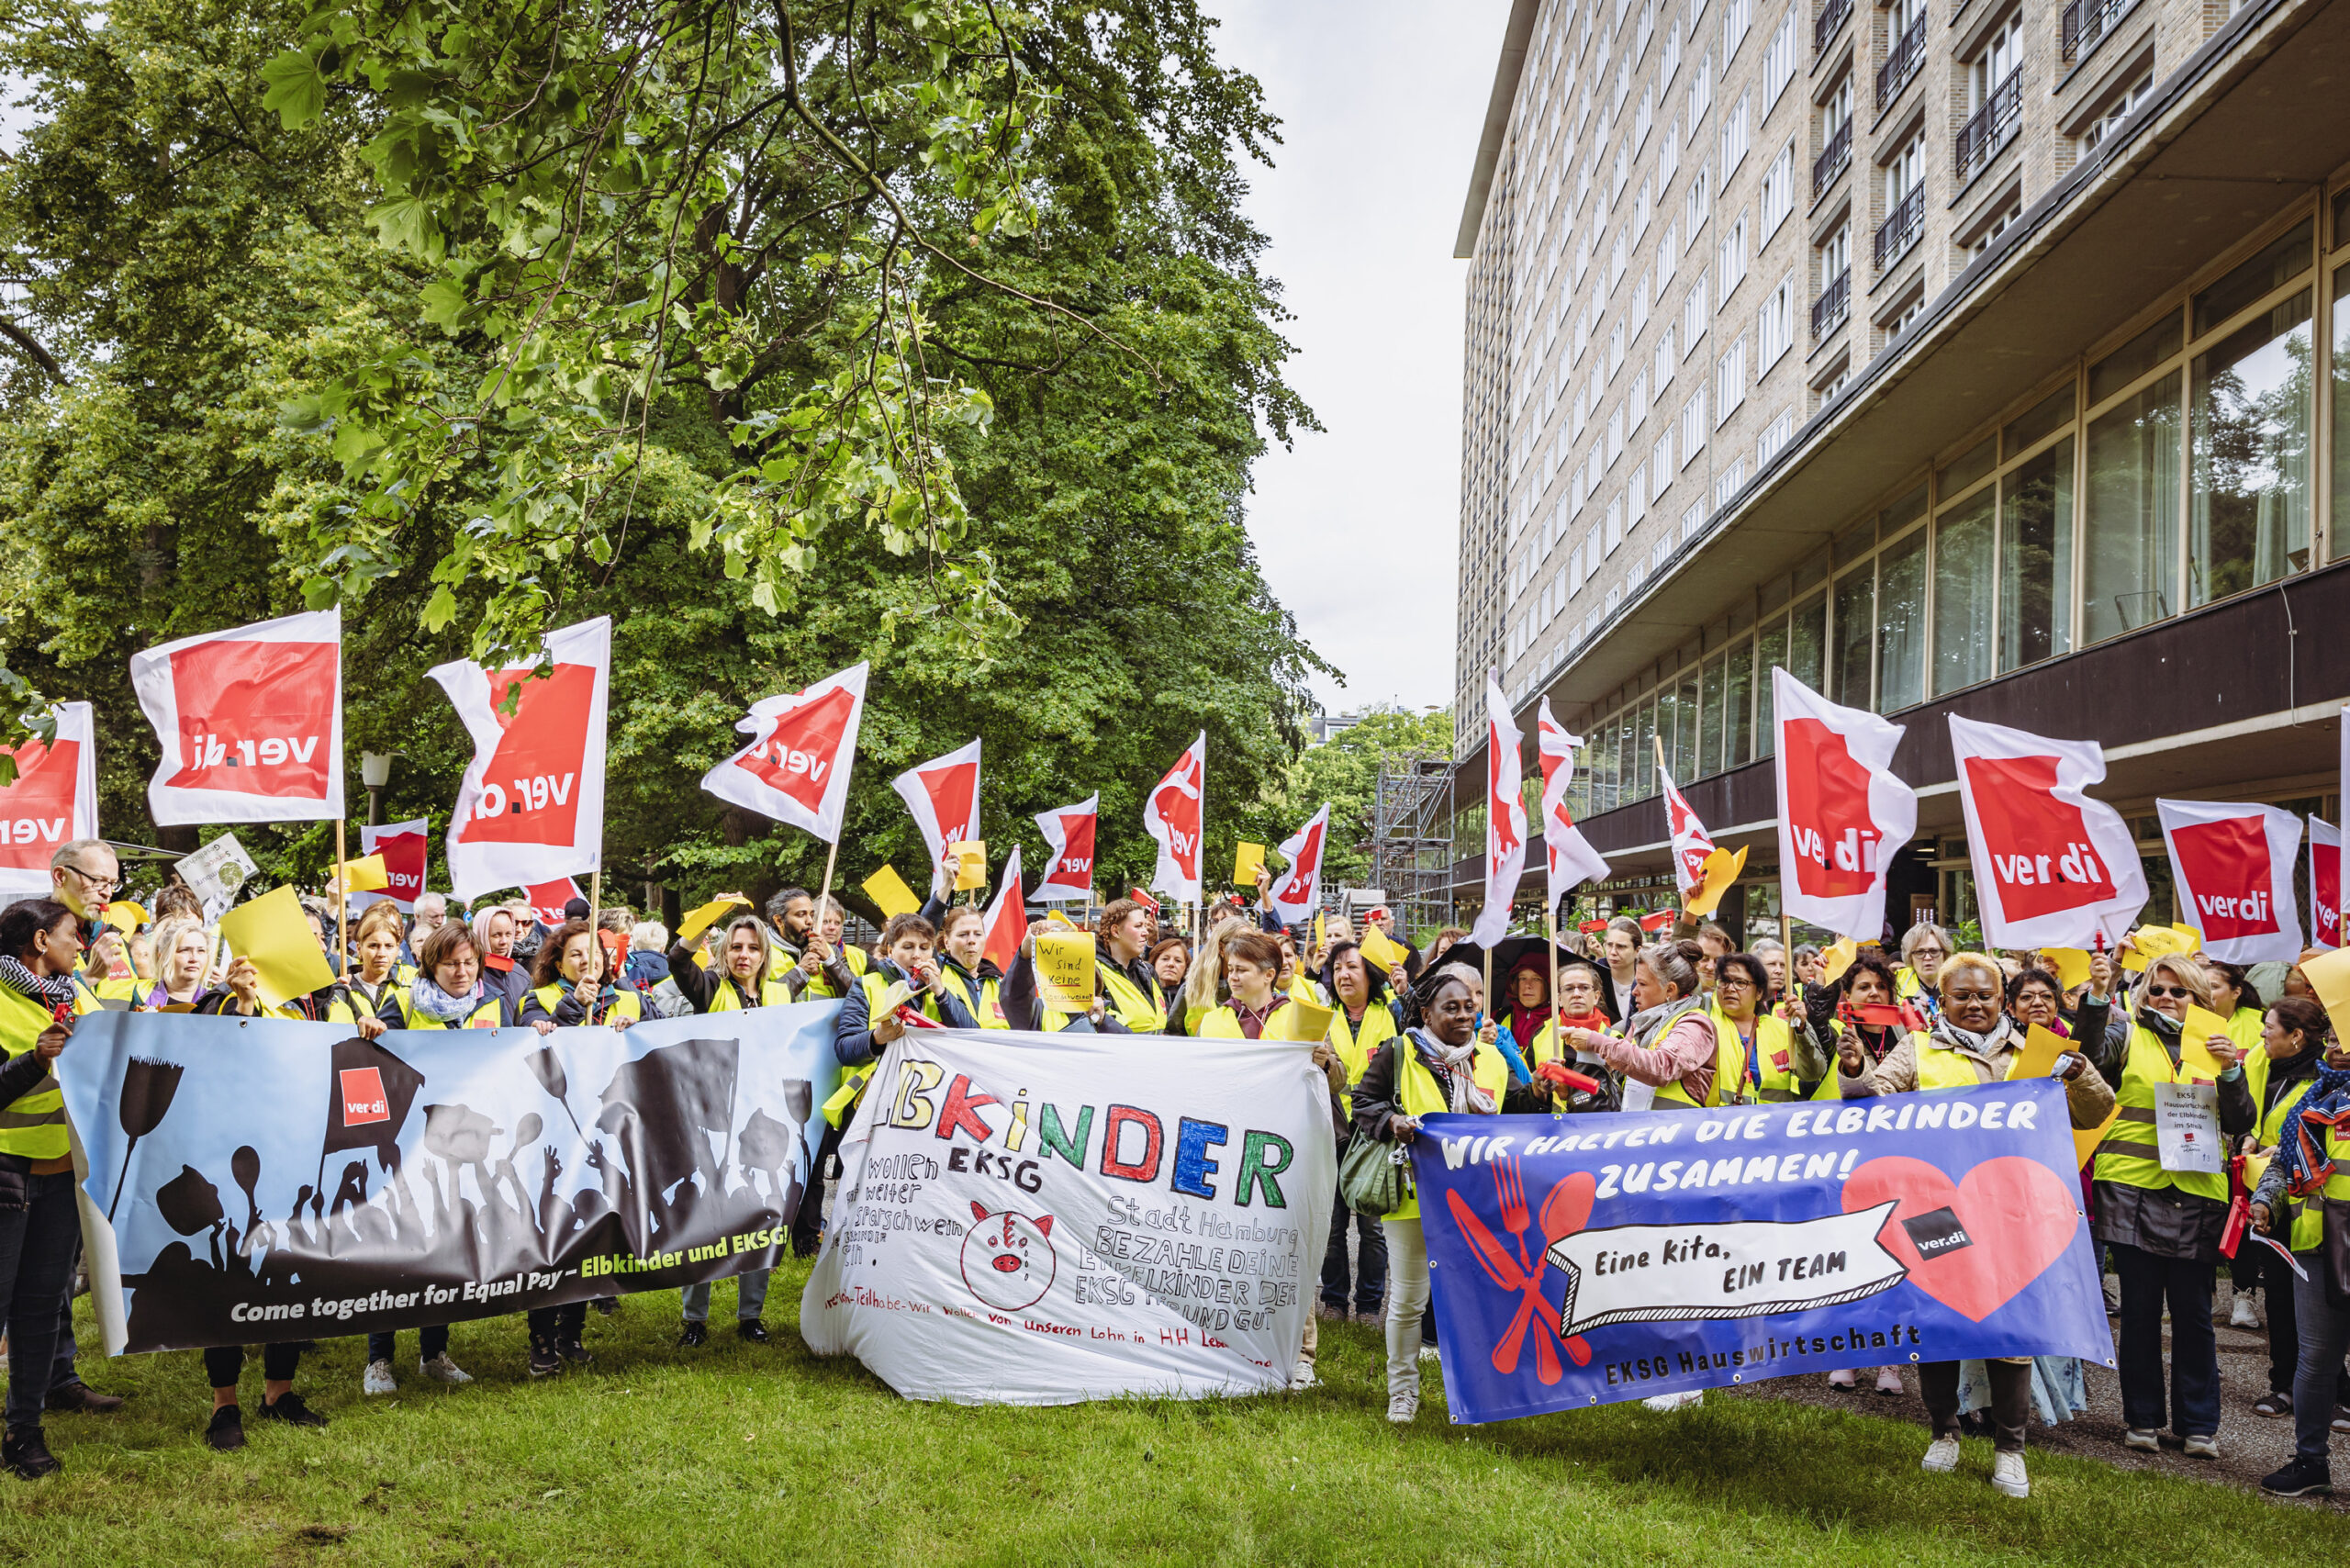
point(438, 1005)
point(2325, 1103)
point(1986, 1044)
point(51, 992)
point(1450, 1067)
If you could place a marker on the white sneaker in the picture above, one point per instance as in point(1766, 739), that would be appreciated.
point(2008, 1476)
point(1942, 1456)
point(1428, 1353)
point(2143, 1440)
point(2203, 1448)
point(2244, 1317)
point(1840, 1379)
point(378, 1379)
point(441, 1369)
point(1402, 1408)
point(1888, 1379)
point(1302, 1378)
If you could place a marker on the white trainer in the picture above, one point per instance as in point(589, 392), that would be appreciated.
point(2242, 1315)
point(1302, 1378)
point(2008, 1476)
point(1942, 1456)
point(2203, 1448)
point(2143, 1440)
point(378, 1379)
point(1428, 1353)
point(441, 1369)
point(1401, 1409)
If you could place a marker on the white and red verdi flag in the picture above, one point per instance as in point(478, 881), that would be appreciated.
point(1691, 842)
point(406, 847)
point(1172, 814)
point(1505, 817)
point(2232, 865)
point(1069, 850)
point(547, 900)
point(944, 796)
point(53, 802)
point(1007, 919)
point(248, 721)
point(1843, 814)
point(2325, 884)
point(803, 743)
point(531, 807)
point(1295, 894)
point(2053, 868)
point(1572, 859)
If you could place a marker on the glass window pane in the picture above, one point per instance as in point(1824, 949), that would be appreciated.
point(1901, 623)
point(2341, 407)
point(1710, 730)
point(1855, 637)
point(1962, 593)
point(1683, 744)
point(2275, 267)
point(2036, 559)
point(2129, 555)
point(2053, 413)
point(1619, 790)
point(2251, 522)
point(2135, 358)
point(1902, 512)
point(1738, 709)
point(1856, 541)
point(1808, 643)
point(1667, 730)
point(1644, 752)
point(1966, 468)
point(1769, 650)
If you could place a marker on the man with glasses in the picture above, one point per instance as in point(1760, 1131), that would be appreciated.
point(85, 875)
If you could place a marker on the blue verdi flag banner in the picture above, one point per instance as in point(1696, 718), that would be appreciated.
point(1578, 1259)
point(265, 1179)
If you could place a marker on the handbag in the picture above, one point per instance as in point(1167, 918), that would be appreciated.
point(1375, 1178)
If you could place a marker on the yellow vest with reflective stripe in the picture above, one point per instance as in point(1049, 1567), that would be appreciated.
point(2127, 1155)
point(490, 1014)
point(1144, 1014)
point(728, 999)
point(1416, 1095)
point(1939, 1066)
point(845, 1099)
point(987, 1006)
point(2306, 1219)
point(1773, 1054)
point(822, 990)
point(1730, 1066)
point(1355, 1042)
point(33, 1127)
point(624, 1003)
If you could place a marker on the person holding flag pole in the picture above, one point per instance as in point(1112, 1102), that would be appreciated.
point(1568, 859)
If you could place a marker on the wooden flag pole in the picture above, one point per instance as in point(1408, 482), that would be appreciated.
point(1558, 1035)
point(341, 902)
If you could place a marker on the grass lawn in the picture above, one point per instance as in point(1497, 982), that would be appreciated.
point(737, 1454)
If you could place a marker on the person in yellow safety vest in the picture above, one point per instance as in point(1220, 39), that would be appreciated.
point(866, 1025)
point(2293, 1039)
point(2303, 1200)
point(2235, 1000)
point(1359, 1025)
point(569, 989)
point(1675, 1049)
point(1924, 946)
point(2161, 1225)
point(1778, 1062)
point(1434, 1065)
point(1121, 962)
point(41, 947)
point(1581, 987)
point(1204, 989)
point(962, 970)
point(84, 876)
point(827, 985)
point(1252, 967)
point(448, 993)
point(1973, 1042)
point(1293, 979)
point(1026, 1009)
point(378, 971)
point(183, 954)
point(744, 975)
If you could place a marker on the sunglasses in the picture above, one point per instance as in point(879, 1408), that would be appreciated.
point(2168, 991)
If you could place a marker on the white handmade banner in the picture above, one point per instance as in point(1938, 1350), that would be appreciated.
point(1039, 1219)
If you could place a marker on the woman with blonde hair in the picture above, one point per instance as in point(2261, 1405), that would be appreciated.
point(2162, 1226)
point(182, 964)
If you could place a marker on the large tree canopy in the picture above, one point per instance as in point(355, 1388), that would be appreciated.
point(924, 333)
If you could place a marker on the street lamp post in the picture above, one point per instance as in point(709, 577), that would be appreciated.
point(375, 771)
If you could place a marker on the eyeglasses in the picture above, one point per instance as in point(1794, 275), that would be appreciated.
point(102, 884)
point(2168, 991)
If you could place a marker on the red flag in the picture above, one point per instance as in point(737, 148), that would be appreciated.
point(2052, 867)
point(547, 899)
point(944, 796)
point(1661, 921)
point(1069, 851)
point(1843, 814)
point(1172, 814)
point(1571, 859)
point(1007, 922)
point(248, 721)
point(1294, 893)
point(796, 767)
point(1691, 843)
point(1505, 817)
point(406, 850)
point(1143, 898)
point(2233, 867)
point(2325, 884)
point(53, 800)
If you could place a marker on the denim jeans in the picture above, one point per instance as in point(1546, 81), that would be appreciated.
point(431, 1340)
point(1371, 1259)
point(750, 1300)
point(36, 1246)
point(2325, 1338)
point(2147, 1281)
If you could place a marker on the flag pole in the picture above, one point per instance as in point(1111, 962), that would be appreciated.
point(1550, 931)
point(341, 900)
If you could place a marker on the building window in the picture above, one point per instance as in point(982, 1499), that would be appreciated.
point(1778, 190)
point(1693, 316)
point(1665, 359)
point(1834, 301)
point(1904, 317)
point(2131, 531)
point(1901, 623)
point(1692, 426)
point(2036, 555)
point(1779, 56)
point(1736, 20)
point(1774, 327)
point(2250, 427)
point(1905, 33)
point(1905, 202)
point(1699, 203)
point(1732, 258)
point(1993, 97)
point(1835, 136)
point(1736, 133)
point(1963, 590)
point(1729, 381)
point(2110, 118)
point(2009, 213)
point(1774, 439)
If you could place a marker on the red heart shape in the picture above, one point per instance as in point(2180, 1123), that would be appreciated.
point(2032, 1211)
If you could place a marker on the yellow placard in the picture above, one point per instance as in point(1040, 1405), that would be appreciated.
point(1246, 862)
point(2040, 1049)
point(2071, 964)
point(2329, 975)
point(2085, 1139)
point(971, 863)
point(2151, 942)
point(889, 890)
point(701, 919)
point(1836, 958)
point(1305, 1020)
point(2255, 1165)
point(1320, 932)
point(1065, 970)
point(1059, 920)
point(1384, 950)
point(2200, 1026)
point(365, 875)
point(125, 916)
point(276, 935)
point(1721, 869)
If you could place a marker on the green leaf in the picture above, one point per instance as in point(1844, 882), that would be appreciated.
point(440, 610)
point(406, 223)
point(295, 89)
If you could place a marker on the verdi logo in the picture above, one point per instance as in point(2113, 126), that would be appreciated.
point(528, 790)
point(1829, 819)
point(2226, 866)
point(2038, 845)
point(254, 717)
point(797, 756)
point(363, 1099)
point(36, 810)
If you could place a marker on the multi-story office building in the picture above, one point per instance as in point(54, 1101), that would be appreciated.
point(1975, 356)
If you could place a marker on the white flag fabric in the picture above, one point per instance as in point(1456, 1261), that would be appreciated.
point(1297, 891)
point(1173, 814)
point(944, 796)
point(2325, 884)
point(1572, 859)
point(1007, 921)
point(531, 806)
point(248, 722)
point(802, 745)
point(1505, 817)
point(2231, 864)
point(1069, 850)
point(53, 802)
point(2053, 868)
point(407, 851)
point(996, 1254)
point(1691, 842)
point(1843, 814)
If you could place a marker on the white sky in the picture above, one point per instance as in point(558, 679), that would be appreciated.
point(1357, 528)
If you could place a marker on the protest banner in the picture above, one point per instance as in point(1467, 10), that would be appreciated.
point(1580, 1260)
point(1038, 1219)
point(430, 1175)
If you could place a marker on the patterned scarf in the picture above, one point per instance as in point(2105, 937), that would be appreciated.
point(1449, 1066)
point(438, 1005)
point(2325, 1103)
point(51, 992)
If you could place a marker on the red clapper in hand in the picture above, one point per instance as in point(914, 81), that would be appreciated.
point(1563, 1214)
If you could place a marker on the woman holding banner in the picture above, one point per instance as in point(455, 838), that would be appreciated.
point(568, 987)
point(2302, 1201)
point(447, 993)
point(962, 969)
point(2163, 1223)
point(1974, 1042)
point(1434, 1066)
point(182, 964)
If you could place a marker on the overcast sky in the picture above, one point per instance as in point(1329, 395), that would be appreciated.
point(1380, 103)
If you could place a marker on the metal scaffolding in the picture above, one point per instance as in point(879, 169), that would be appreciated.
point(1410, 857)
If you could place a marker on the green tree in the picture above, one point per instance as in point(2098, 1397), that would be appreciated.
point(1344, 772)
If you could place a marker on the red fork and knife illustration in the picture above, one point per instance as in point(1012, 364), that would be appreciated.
point(1564, 1211)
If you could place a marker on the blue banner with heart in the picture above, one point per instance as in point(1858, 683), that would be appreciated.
point(1581, 1260)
